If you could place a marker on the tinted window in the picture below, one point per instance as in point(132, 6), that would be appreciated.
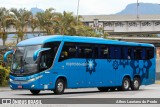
point(69, 50)
point(99, 51)
point(115, 52)
point(79, 50)
point(96, 51)
point(127, 52)
point(104, 52)
point(47, 57)
point(149, 53)
point(144, 53)
point(85, 51)
point(138, 53)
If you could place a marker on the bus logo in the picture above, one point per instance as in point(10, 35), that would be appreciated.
point(91, 65)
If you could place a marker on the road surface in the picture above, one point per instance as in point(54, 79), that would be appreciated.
point(151, 91)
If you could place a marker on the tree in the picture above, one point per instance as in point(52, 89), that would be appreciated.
point(4, 23)
point(33, 23)
point(66, 23)
point(83, 30)
point(21, 21)
point(47, 21)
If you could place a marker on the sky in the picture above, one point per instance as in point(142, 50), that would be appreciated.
point(86, 7)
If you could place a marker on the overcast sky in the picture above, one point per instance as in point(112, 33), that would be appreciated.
point(94, 7)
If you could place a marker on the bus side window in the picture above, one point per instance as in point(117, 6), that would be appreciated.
point(124, 52)
point(115, 52)
point(138, 53)
point(104, 52)
point(149, 53)
point(88, 52)
point(95, 52)
point(72, 53)
point(85, 50)
point(112, 54)
point(69, 50)
point(143, 54)
point(127, 53)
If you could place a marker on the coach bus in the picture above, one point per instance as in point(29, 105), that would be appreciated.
point(58, 62)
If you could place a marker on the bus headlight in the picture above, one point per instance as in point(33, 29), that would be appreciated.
point(10, 80)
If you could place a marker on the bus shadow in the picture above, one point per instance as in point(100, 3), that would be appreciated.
point(65, 93)
point(84, 92)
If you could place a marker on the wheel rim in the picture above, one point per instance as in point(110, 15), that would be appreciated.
point(126, 84)
point(60, 86)
point(136, 83)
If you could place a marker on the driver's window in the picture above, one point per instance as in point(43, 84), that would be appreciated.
point(47, 57)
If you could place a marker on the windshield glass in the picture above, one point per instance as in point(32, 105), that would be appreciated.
point(23, 63)
point(22, 60)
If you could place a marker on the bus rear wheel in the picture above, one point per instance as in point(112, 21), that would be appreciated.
point(125, 84)
point(103, 89)
point(59, 87)
point(35, 92)
point(135, 84)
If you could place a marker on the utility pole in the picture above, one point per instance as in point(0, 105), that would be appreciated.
point(77, 12)
point(137, 9)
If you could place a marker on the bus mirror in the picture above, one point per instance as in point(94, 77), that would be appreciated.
point(6, 55)
point(37, 52)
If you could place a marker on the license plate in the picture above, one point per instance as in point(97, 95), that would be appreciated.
point(19, 86)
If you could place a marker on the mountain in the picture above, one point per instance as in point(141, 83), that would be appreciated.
point(36, 10)
point(144, 8)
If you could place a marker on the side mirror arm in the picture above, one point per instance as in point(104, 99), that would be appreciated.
point(37, 52)
point(6, 55)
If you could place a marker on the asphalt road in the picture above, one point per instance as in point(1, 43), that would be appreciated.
point(151, 91)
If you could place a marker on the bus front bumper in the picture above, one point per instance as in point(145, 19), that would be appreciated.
point(25, 83)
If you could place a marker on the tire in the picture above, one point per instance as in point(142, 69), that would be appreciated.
point(125, 84)
point(135, 84)
point(35, 92)
point(59, 87)
point(103, 89)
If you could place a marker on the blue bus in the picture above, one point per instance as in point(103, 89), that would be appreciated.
point(58, 62)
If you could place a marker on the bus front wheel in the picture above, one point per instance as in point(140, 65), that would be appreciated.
point(125, 84)
point(135, 84)
point(35, 92)
point(59, 87)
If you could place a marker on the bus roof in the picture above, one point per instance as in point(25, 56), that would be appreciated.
point(51, 38)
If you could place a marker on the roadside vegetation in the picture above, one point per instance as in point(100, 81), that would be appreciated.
point(4, 68)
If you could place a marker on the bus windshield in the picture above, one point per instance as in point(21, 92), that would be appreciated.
point(23, 63)
point(22, 60)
